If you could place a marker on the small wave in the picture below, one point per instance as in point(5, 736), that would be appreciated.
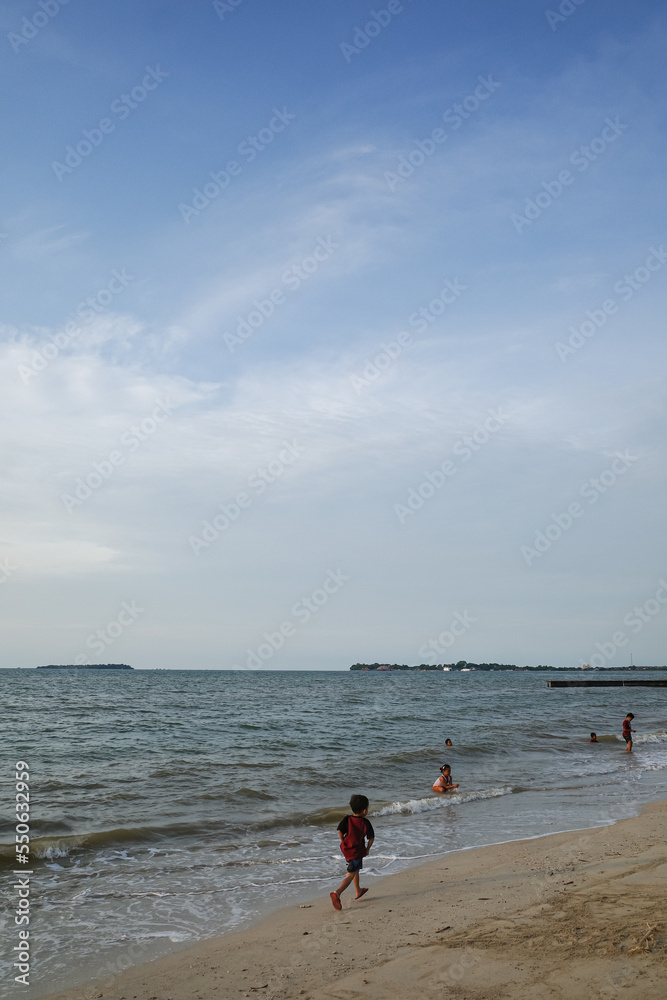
point(61, 847)
point(253, 793)
point(51, 853)
point(331, 815)
point(246, 763)
point(177, 937)
point(409, 756)
point(659, 737)
point(323, 817)
point(462, 751)
point(267, 862)
point(65, 844)
point(436, 802)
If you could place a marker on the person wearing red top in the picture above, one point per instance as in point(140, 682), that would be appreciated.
point(627, 731)
point(356, 836)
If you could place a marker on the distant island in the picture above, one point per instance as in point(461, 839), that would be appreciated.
point(463, 665)
point(85, 666)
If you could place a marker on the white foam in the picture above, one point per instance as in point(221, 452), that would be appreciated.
point(659, 737)
point(52, 852)
point(175, 936)
point(436, 802)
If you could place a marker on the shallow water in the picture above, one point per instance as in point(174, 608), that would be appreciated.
point(168, 806)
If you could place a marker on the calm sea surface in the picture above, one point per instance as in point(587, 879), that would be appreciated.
point(171, 806)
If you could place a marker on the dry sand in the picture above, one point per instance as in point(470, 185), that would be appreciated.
point(574, 915)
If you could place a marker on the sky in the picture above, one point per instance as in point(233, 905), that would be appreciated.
point(332, 333)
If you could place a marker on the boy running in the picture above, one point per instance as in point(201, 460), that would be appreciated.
point(354, 832)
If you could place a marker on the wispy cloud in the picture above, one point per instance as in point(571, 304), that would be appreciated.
point(32, 247)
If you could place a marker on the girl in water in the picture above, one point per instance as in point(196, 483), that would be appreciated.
point(444, 782)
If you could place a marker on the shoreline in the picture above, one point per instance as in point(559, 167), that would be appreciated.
point(581, 912)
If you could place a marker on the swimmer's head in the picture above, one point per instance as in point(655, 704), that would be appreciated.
point(448, 743)
point(445, 767)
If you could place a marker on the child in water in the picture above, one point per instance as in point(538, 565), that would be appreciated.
point(627, 731)
point(593, 738)
point(444, 782)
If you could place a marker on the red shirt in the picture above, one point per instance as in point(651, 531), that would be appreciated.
point(355, 831)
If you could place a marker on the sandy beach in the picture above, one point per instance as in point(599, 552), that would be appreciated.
point(571, 915)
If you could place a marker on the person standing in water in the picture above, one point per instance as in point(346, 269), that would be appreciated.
point(627, 731)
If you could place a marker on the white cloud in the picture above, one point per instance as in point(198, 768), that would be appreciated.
point(32, 247)
point(60, 559)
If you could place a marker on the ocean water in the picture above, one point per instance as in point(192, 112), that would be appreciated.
point(171, 806)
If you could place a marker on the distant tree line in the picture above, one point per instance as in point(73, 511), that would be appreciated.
point(462, 664)
point(85, 666)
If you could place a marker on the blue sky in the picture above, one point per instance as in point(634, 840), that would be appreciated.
point(425, 296)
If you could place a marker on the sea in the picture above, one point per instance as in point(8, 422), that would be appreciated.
point(171, 806)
